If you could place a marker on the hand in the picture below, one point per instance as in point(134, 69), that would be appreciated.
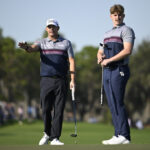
point(23, 45)
point(72, 84)
point(100, 58)
point(105, 62)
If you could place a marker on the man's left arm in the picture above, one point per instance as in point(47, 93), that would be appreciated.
point(72, 72)
point(128, 38)
point(122, 54)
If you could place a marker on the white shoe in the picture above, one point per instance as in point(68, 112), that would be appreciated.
point(44, 139)
point(117, 140)
point(56, 142)
point(106, 142)
point(123, 139)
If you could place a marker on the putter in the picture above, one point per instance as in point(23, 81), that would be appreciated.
point(74, 111)
point(101, 99)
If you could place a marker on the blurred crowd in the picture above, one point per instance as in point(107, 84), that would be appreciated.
point(18, 112)
point(10, 112)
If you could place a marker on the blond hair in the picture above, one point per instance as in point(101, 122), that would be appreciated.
point(117, 8)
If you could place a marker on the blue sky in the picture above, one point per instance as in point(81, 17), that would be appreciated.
point(83, 22)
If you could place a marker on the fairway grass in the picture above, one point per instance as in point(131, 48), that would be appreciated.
point(79, 147)
point(27, 136)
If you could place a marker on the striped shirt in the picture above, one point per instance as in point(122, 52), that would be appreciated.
point(54, 56)
point(114, 40)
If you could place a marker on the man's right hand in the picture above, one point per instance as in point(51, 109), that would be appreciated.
point(100, 58)
point(23, 45)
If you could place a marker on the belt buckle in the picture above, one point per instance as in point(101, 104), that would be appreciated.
point(111, 67)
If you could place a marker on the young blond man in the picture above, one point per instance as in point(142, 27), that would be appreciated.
point(113, 55)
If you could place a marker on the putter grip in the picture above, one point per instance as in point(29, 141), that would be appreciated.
point(101, 99)
point(73, 94)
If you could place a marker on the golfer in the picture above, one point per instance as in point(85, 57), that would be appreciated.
point(113, 56)
point(56, 54)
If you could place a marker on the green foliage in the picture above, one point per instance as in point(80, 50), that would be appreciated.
point(45, 34)
point(19, 72)
point(28, 73)
point(7, 64)
point(138, 94)
point(88, 80)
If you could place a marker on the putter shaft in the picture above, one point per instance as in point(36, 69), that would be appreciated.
point(101, 98)
point(74, 111)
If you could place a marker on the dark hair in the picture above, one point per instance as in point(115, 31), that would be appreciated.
point(117, 8)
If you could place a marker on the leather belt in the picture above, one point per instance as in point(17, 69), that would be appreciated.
point(114, 66)
point(56, 77)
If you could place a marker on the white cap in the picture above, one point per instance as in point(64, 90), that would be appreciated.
point(52, 22)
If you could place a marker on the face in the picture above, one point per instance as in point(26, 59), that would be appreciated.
point(117, 18)
point(52, 30)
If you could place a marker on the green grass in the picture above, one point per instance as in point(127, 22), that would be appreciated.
point(27, 136)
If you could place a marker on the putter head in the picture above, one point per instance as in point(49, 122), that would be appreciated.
point(73, 135)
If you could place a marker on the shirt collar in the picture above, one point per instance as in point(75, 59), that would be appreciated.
point(58, 40)
point(118, 26)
